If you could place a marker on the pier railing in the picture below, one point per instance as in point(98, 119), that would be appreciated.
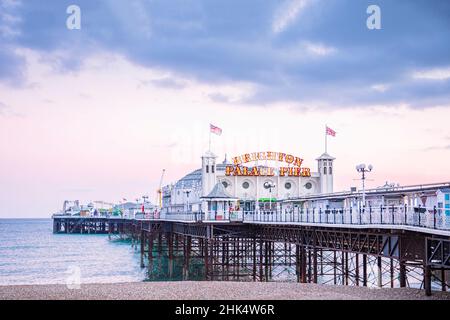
point(432, 218)
point(424, 217)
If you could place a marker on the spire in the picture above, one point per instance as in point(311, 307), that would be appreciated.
point(225, 161)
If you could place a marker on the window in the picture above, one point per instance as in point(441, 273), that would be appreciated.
point(308, 185)
point(207, 169)
point(287, 185)
point(447, 197)
point(324, 170)
point(330, 170)
point(213, 168)
point(246, 185)
point(225, 184)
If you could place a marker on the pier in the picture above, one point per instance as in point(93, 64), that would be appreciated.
point(377, 247)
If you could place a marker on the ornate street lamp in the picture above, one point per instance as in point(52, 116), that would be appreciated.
point(270, 186)
point(187, 192)
point(362, 169)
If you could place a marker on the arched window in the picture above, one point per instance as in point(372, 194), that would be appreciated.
point(324, 170)
point(330, 170)
point(207, 169)
point(213, 168)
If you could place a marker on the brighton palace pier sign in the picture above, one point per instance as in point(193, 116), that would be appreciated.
point(239, 168)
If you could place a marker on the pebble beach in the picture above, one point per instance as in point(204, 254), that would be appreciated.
point(211, 291)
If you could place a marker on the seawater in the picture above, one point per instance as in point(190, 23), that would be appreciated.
point(31, 254)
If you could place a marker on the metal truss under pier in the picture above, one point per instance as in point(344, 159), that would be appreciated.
point(341, 255)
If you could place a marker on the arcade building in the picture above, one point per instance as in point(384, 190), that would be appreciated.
point(250, 182)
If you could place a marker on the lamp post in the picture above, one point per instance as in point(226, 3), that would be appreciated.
point(270, 186)
point(144, 198)
point(137, 205)
point(362, 169)
point(187, 199)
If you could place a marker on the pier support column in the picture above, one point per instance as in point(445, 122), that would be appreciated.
point(364, 270)
point(297, 262)
point(335, 267)
point(187, 255)
point(254, 258)
point(150, 252)
point(427, 279)
point(346, 269)
point(402, 276)
point(261, 273)
point(309, 265)
point(357, 269)
point(392, 272)
point(205, 253)
point(170, 247)
point(443, 280)
point(380, 273)
point(303, 264)
point(142, 248)
point(266, 261)
point(315, 265)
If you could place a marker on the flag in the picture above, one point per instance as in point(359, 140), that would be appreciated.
point(330, 132)
point(215, 130)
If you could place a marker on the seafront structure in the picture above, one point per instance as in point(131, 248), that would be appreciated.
point(232, 221)
point(258, 180)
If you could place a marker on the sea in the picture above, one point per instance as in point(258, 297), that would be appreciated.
point(31, 254)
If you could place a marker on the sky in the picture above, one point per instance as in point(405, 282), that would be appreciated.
point(98, 113)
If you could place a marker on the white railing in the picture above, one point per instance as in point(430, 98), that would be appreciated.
point(431, 218)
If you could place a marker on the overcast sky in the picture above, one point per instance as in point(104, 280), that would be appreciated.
point(97, 113)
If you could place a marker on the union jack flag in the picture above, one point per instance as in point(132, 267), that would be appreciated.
point(330, 132)
point(215, 130)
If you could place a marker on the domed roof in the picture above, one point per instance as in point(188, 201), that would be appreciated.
point(193, 179)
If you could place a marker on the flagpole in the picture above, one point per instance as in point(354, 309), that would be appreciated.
point(326, 147)
point(210, 138)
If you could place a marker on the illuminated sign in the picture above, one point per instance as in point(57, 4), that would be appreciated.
point(239, 169)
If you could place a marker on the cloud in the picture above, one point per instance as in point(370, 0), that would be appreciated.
point(2, 107)
point(380, 87)
point(165, 82)
point(433, 74)
point(9, 20)
point(287, 13)
point(7, 111)
point(438, 148)
point(319, 49)
point(332, 60)
point(219, 97)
